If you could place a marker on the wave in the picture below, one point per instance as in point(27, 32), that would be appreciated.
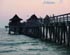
point(18, 43)
point(12, 43)
point(6, 51)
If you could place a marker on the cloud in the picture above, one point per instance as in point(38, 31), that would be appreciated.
point(52, 1)
point(49, 2)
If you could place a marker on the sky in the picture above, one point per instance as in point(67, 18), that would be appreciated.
point(25, 8)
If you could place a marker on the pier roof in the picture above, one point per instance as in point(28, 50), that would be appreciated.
point(15, 18)
point(46, 19)
point(33, 17)
point(33, 21)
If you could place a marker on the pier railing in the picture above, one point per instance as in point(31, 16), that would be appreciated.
point(58, 29)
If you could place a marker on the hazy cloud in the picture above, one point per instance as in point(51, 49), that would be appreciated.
point(52, 1)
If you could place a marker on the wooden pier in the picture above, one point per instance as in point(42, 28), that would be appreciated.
point(55, 29)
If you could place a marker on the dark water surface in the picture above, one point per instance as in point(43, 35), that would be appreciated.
point(23, 45)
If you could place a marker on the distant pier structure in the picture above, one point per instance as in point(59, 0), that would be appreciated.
point(15, 25)
point(33, 27)
point(54, 29)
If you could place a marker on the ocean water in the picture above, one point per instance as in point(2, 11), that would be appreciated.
point(24, 45)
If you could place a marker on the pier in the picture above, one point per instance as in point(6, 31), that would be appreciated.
point(53, 29)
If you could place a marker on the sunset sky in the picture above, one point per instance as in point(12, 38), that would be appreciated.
point(25, 8)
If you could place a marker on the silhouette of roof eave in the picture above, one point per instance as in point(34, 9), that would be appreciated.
point(33, 17)
point(16, 17)
point(46, 17)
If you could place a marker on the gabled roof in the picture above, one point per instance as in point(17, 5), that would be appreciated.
point(33, 21)
point(15, 18)
point(33, 17)
point(46, 17)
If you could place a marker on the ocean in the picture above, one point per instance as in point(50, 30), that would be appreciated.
point(24, 45)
